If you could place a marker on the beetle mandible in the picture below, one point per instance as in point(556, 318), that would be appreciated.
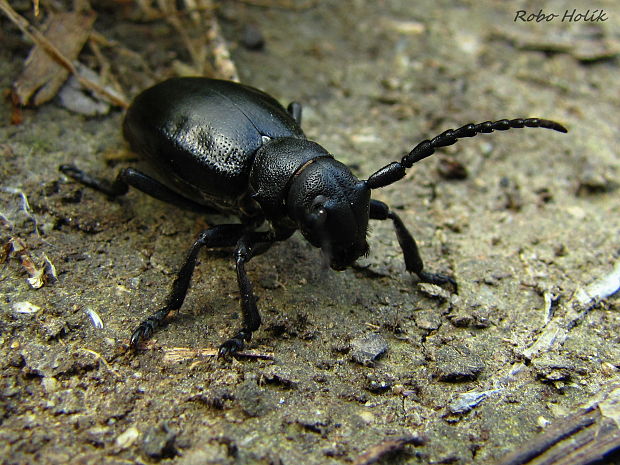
point(220, 146)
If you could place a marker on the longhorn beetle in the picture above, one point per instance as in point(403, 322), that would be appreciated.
point(220, 146)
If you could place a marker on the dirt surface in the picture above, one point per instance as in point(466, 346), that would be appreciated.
point(521, 219)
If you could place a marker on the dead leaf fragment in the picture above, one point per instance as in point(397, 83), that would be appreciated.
point(39, 274)
point(43, 76)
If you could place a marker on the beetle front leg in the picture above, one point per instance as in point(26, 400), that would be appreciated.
point(411, 254)
point(224, 235)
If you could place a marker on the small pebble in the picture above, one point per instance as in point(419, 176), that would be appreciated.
point(552, 369)
point(593, 181)
point(368, 348)
point(450, 168)
point(434, 291)
point(158, 442)
point(254, 401)
point(379, 383)
point(127, 438)
point(25, 307)
point(428, 320)
point(252, 37)
point(457, 364)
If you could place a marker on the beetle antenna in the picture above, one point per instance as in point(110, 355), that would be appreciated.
point(395, 171)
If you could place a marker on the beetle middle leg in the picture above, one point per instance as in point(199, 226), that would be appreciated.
point(294, 109)
point(134, 178)
point(411, 254)
point(224, 235)
point(249, 245)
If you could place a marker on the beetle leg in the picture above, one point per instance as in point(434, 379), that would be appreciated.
point(224, 235)
point(294, 109)
point(413, 260)
point(249, 245)
point(134, 178)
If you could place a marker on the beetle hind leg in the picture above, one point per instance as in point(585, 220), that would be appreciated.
point(411, 254)
point(134, 178)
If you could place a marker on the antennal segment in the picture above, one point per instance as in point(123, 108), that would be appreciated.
point(395, 171)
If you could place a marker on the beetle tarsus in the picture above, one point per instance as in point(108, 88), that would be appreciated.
point(438, 279)
point(142, 333)
point(114, 189)
point(146, 329)
point(234, 344)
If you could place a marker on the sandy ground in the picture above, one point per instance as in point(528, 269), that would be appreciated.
point(535, 217)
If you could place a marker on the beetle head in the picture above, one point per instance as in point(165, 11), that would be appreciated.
point(331, 207)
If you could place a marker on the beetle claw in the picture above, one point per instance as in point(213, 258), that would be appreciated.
point(230, 347)
point(142, 332)
point(438, 279)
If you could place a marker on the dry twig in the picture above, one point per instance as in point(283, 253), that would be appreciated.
point(180, 354)
point(582, 301)
point(211, 43)
point(283, 4)
point(41, 41)
point(553, 336)
point(580, 439)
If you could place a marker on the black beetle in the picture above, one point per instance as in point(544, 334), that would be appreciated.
point(220, 146)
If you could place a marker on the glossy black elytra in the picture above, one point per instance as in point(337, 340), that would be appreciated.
point(223, 146)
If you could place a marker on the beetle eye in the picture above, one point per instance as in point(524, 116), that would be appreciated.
point(318, 204)
point(318, 209)
point(318, 212)
point(317, 217)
